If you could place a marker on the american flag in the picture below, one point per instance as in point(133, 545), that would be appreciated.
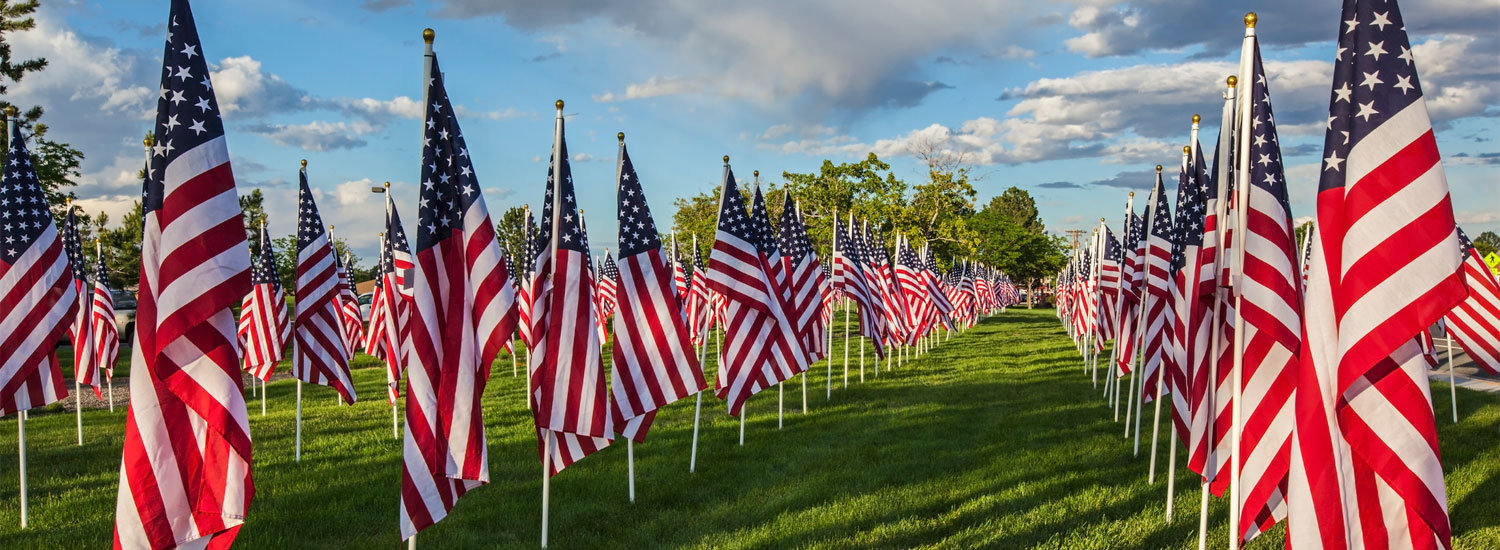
point(263, 318)
point(680, 274)
point(1109, 285)
point(700, 312)
point(804, 280)
point(1156, 291)
point(885, 284)
point(1270, 303)
point(1365, 469)
point(760, 350)
point(1188, 320)
point(1475, 323)
point(1132, 277)
point(1209, 390)
point(84, 371)
point(463, 309)
point(848, 253)
point(654, 361)
point(608, 282)
point(185, 471)
point(525, 275)
point(569, 398)
point(104, 336)
point(33, 260)
point(935, 291)
point(390, 307)
point(318, 356)
point(349, 315)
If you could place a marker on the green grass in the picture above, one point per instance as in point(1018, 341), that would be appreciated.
point(995, 439)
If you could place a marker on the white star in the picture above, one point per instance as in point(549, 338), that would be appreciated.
point(1332, 162)
point(1366, 110)
point(1343, 93)
point(177, 97)
point(172, 122)
point(1371, 79)
point(1376, 49)
point(1264, 159)
point(197, 127)
point(1381, 20)
point(1405, 55)
point(183, 73)
point(1404, 83)
point(202, 105)
point(190, 50)
point(1352, 24)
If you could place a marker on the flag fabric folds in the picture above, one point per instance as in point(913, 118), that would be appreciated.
point(1365, 469)
point(85, 372)
point(264, 326)
point(104, 336)
point(185, 472)
point(319, 356)
point(653, 357)
point(462, 310)
point(390, 307)
point(1475, 323)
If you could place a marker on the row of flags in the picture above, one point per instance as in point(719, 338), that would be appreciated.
point(1295, 375)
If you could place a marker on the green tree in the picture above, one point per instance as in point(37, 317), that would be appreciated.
point(510, 230)
point(286, 261)
point(56, 163)
point(1487, 243)
point(868, 189)
point(122, 249)
point(253, 210)
point(1012, 238)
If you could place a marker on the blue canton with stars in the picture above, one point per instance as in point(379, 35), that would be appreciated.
point(23, 208)
point(760, 221)
point(793, 240)
point(1112, 247)
point(263, 270)
point(309, 221)
point(1192, 202)
point(73, 246)
point(610, 270)
point(449, 185)
point(1374, 77)
point(733, 219)
point(637, 229)
point(1265, 151)
point(1161, 220)
point(187, 113)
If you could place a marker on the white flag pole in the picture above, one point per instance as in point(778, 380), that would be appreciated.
point(780, 400)
point(1452, 378)
point(702, 353)
point(21, 454)
point(299, 420)
point(395, 423)
point(1241, 143)
point(1191, 152)
point(744, 411)
point(1140, 339)
point(546, 480)
point(862, 340)
point(630, 465)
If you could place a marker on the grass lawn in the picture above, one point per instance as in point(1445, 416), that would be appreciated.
point(994, 439)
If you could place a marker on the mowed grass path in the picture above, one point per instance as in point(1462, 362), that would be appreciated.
point(995, 439)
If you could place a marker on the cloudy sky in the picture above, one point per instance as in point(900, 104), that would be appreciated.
point(1073, 100)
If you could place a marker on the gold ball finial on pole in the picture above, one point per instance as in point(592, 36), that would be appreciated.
point(1250, 19)
point(148, 141)
point(559, 104)
point(1232, 80)
point(1186, 150)
point(428, 35)
point(1132, 193)
point(1196, 118)
point(304, 163)
point(726, 159)
point(620, 136)
point(387, 185)
point(755, 173)
point(10, 111)
point(1158, 168)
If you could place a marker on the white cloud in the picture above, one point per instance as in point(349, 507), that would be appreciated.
point(354, 193)
point(317, 135)
point(655, 86)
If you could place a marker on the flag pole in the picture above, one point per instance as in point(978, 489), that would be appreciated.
point(833, 257)
point(846, 343)
point(702, 356)
point(21, 454)
point(1211, 393)
point(299, 416)
point(546, 480)
point(81, 335)
point(1242, 195)
point(1141, 335)
point(698, 408)
point(630, 465)
point(1452, 379)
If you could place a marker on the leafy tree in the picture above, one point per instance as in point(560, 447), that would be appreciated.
point(1012, 238)
point(868, 189)
point(57, 164)
point(510, 231)
point(286, 261)
point(122, 249)
point(253, 210)
point(698, 215)
point(1301, 234)
point(1487, 243)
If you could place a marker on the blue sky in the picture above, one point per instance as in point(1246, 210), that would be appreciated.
point(1073, 101)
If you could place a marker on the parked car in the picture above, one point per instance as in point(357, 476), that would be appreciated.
point(124, 315)
point(364, 305)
